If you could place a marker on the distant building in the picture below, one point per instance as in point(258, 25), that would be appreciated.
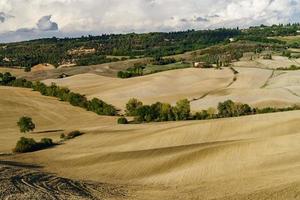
point(298, 31)
point(198, 64)
point(63, 75)
point(231, 39)
point(6, 59)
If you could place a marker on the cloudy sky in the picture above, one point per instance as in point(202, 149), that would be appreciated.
point(29, 19)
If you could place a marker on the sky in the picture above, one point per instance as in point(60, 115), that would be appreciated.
point(30, 19)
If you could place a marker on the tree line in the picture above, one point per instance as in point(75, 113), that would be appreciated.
point(56, 51)
point(136, 70)
point(159, 112)
point(63, 94)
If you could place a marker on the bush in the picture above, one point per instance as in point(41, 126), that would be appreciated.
point(122, 120)
point(163, 61)
point(25, 145)
point(46, 142)
point(73, 134)
point(26, 124)
point(6, 79)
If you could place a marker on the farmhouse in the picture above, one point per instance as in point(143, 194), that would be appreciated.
point(6, 59)
point(63, 75)
point(198, 64)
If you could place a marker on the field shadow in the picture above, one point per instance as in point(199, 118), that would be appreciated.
point(19, 164)
point(50, 131)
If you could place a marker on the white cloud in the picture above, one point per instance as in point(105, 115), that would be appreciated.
point(45, 24)
point(76, 17)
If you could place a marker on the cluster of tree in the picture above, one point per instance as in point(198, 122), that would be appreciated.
point(274, 110)
point(93, 59)
point(232, 109)
point(223, 55)
point(25, 145)
point(136, 70)
point(272, 31)
point(158, 111)
point(291, 68)
point(6, 79)
point(71, 135)
point(163, 61)
point(95, 105)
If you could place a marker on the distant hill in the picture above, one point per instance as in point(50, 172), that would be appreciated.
point(108, 48)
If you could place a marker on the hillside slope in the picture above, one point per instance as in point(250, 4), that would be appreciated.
point(205, 88)
point(169, 86)
point(217, 159)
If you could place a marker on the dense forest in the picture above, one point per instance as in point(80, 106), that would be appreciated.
point(100, 49)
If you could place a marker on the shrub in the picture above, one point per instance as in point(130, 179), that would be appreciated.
point(163, 61)
point(122, 120)
point(73, 134)
point(46, 142)
point(6, 79)
point(25, 145)
point(26, 124)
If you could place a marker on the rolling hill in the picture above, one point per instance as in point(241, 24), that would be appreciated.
point(216, 159)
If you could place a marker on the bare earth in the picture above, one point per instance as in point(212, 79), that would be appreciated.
point(252, 157)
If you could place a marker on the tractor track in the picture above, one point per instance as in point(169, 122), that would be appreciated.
point(31, 184)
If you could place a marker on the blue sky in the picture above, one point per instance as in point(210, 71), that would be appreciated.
point(30, 19)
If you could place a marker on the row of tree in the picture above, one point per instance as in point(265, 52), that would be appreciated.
point(159, 112)
point(136, 70)
point(63, 94)
point(163, 61)
point(57, 51)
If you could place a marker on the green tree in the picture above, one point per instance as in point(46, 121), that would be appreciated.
point(122, 120)
point(166, 112)
point(26, 124)
point(132, 107)
point(182, 110)
point(230, 109)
